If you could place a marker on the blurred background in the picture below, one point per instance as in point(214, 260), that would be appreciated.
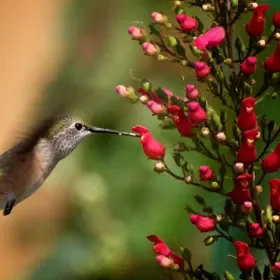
point(91, 217)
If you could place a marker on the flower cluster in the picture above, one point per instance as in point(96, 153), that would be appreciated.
point(231, 142)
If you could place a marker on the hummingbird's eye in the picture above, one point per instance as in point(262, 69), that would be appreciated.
point(78, 126)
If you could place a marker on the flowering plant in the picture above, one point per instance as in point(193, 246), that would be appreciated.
point(222, 62)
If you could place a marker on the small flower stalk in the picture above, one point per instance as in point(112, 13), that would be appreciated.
point(228, 148)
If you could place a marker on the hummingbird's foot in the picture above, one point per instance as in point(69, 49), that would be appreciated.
point(9, 207)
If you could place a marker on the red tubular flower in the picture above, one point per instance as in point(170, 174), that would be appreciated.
point(166, 257)
point(272, 63)
point(271, 163)
point(241, 191)
point(204, 224)
point(247, 153)
point(249, 65)
point(247, 118)
point(202, 70)
point(196, 113)
point(255, 230)
point(245, 260)
point(159, 247)
point(183, 124)
point(276, 20)
point(275, 193)
point(256, 25)
point(205, 173)
point(187, 24)
point(151, 147)
point(156, 108)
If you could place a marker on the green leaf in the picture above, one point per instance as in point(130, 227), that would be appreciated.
point(229, 207)
point(154, 29)
point(162, 95)
point(257, 274)
point(180, 49)
point(239, 45)
point(176, 101)
point(266, 272)
point(270, 128)
point(228, 276)
point(189, 209)
point(200, 26)
point(187, 255)
point(224, 224)
point(167, 124)
point(179, 159)
point(188, 39)
point(199, 199)
point(208, 210)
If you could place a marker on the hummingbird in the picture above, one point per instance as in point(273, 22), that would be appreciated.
point(25, 166)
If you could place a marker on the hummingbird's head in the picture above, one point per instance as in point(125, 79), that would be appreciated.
point(66, 132)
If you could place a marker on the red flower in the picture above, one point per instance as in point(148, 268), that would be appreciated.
point(272, 63)
point(276, 20)
point(183, 124)
point(164, 254)
point(272, 162)
point(247, 118)
point(275, 193)
point(205, 173)
point(255, 230)
point(151, 147)
point(204, 224)
point(247, 153)
point(241, 191)
point(245, 260)
point(255, 26)
point(196, 113)
point(249, 65)
point(159, 247)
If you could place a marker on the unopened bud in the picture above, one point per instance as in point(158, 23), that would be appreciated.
point(276, 218)
point(221, 137)
point(184, 62)
point(219, 218)
point(172, 41)
point(261, 43)
point(276, 36)
point(159, 167)
point(195, 51)
point(215, 186)
point(144, 99)
point(205, 131)
point(259, 189)
point(253, 5)
point(234, 3)
point(159, 18)
point(188, 179)
point(146, 85)
point(239, 167)
point(207, 7)
point(258, 135)
point(274, 95)
point(228, 276)
point(247, 207)
point(228, 61)
point(180, 147)
point(161, 57)
point(177, 3)
point(209, 240)
point(253, 82)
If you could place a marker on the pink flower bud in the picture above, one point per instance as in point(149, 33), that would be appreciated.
point(122, 91)
point(204, 224)
point(136, 33)
point(247, 207)
point(205, 173)
point(156, 108)
point(196, 113)
point(212, 38)
point(249, 65)
point(164, 261)
point(276, 268)
point(149, 48)
point(221, 137)
point(158, 17)
point(239, 167)
point(187, 24)
point(191, 92)
point(255, 230)
point(202, 70)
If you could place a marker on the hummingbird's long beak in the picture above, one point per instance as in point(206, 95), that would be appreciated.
point(111, 131)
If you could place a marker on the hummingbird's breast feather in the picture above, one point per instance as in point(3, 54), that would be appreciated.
point(23, 173)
